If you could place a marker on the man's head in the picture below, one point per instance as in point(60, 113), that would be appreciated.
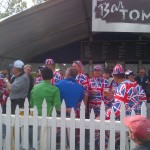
point(142, 72)
point(139, 128)
point(129, 75)
point(5, 72)
point(78, 66)
point(71, 73)
point(118, 73)
point(47, 73)
point(50, 63)
point(27, 69)
point(97, 71)
point(17, 67)
point(107, 74)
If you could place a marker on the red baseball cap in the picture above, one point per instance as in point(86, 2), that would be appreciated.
point(139, 125)
point(49, 61)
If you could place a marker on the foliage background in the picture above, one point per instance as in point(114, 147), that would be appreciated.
point(11, 7)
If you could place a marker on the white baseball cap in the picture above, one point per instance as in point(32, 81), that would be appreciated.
point(17, 64)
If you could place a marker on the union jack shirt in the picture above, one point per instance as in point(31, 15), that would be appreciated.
point(127, 94)
point(95, 100)
point(38, 80)
point(113, 86)
point(141, 93)
point(83, 80)
point(56, 77)
point(3, 92)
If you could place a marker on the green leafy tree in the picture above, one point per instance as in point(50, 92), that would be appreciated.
point(38, 1)
point(11, 7)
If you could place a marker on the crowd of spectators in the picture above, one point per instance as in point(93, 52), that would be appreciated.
point(109, 86)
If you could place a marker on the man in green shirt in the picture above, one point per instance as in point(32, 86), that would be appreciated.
point(45, 90)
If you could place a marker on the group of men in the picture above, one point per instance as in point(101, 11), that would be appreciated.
point(75, 87)
point(123, 87)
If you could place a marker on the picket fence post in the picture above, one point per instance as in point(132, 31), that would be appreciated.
point(17, 129)
point(53, 130)
point(123, 133)
point(82, 126)
point(26, 125)
point(132, 144)
point(144, 109)
point(49, 125)
point(8, 125)
point(102, 126)
point(35, 129)
point(72, 130)
point(112, 130)
point(92, 130)
point(63, 126)
point(43, 133)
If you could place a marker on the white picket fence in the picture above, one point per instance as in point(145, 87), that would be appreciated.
point(18, 126)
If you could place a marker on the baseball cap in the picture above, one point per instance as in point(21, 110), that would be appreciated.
point(49, 62)
point(78, 62)
point(128, 73)
point(118, 69)
point(17, 64)
point(97, 67)
point(139, 125)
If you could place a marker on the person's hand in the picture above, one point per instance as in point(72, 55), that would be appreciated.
point(97, 118)
point(6, 80)
point(107, 93)
point(94, 92)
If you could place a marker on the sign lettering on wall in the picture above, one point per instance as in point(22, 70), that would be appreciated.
point(121, 15)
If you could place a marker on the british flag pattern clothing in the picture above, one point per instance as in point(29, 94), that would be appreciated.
point(3, 92)
point(83, 80)
point(97, 84)
point(141, 94)
point(113, 86)
point(56, 77)
point(95, 99)
point(38, 80)
point(127, 94)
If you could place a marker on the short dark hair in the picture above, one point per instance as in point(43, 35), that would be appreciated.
point(47, 73)
point(120, 76)
point(19, 69)
point(141, 68)
point(72, 72)
point(107, 71)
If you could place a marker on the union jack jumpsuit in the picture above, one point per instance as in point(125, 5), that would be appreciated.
point(126, 93)
point(97, 84)
point(56, 77)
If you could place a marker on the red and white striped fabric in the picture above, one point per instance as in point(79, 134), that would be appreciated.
point(118, 69)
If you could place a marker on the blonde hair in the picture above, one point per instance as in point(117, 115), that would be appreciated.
point(27, 65)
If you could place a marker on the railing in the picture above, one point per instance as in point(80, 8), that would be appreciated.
point(17, 129)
